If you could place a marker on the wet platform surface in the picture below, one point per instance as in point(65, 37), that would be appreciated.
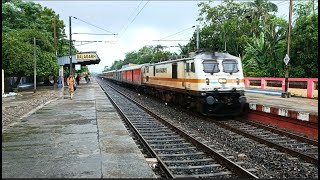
point(294, 103)
point(79, 138)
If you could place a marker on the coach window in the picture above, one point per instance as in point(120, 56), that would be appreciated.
point(147, 69)
point(154, 70)
point(192, 67)
point(187, 67)
point(230, 66)
point(210, 66)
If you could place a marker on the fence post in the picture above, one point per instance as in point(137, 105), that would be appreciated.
point(283, 85)
point(263, 83)
point(246, 82)
point(310, 88)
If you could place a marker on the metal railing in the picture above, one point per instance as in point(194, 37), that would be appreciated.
point(264, 85)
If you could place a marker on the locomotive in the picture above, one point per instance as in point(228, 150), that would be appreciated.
point(210, 83)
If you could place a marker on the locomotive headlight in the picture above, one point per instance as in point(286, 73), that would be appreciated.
point(207, 81)
point(242, 99)
point(210, 100)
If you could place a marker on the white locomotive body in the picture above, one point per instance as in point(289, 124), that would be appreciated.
point(210, 83)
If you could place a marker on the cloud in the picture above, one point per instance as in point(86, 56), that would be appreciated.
point(132, 40)
point(156, 20)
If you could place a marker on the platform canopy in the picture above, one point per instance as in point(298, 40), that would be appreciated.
point(83, 58)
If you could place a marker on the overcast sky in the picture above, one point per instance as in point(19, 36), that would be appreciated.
point(156, 20)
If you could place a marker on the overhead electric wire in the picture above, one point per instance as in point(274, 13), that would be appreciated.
point(93, 25)
point(177, 33)
point(85, 44)
point(92, 34)
point(131, 15)
point(133, 19)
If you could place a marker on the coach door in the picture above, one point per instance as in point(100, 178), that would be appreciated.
point(174, 71)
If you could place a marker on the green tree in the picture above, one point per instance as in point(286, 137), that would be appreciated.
point(146, 54)
point(18, 51)
point(225, 27)
point(260, 11)
point(20, 18)
point(304, 47)
point(263, 56)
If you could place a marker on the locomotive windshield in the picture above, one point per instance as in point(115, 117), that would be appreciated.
point(230, 66)
point(210, 66)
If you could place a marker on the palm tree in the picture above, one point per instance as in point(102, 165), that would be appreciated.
point(260, 13)
point(183, 50)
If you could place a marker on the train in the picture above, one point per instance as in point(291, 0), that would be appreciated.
point(210, 83)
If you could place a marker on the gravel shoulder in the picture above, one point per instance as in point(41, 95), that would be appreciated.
point(13, 108)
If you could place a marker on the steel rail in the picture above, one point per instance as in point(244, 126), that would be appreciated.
point(269, 143)
point(163, 166)
point(238, 170)
point(279, 131)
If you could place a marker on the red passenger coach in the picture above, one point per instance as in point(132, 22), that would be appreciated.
point(129, 76)
point(137, 76)
point(132, 74)
point(124, 76)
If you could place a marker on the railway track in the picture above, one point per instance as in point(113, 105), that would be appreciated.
point(295, 145)
point(178, 154)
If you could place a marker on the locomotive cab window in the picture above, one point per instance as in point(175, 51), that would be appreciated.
point(230, 66)
point(210, 66)
point(192, 67)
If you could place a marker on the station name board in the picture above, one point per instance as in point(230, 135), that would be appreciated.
point(161, 70)
point(86, 56)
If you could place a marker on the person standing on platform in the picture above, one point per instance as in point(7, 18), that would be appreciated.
point(86, 78)
point(78, 79)
point(71, 84)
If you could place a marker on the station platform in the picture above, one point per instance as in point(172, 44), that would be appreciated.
point(302, 109)
point(294, 114)
point(79, 138)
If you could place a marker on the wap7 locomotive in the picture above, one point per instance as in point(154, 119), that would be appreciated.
point(209, 83)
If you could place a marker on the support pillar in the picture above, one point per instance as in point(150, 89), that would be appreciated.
point(61, 78)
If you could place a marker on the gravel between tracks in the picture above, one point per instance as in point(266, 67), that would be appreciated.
point(15, 107)
point(267, 162)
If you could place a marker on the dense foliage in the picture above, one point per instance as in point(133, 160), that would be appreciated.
point(249, 29)
point(253, 31)
point(147, 54)
point(21, 22)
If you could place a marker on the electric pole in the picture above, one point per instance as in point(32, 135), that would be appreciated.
point(312, 7)
point(55, 45)
point(34, 67)
point(198, 31)
point(55, 35)
point(286, 94)
point(70, 44)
